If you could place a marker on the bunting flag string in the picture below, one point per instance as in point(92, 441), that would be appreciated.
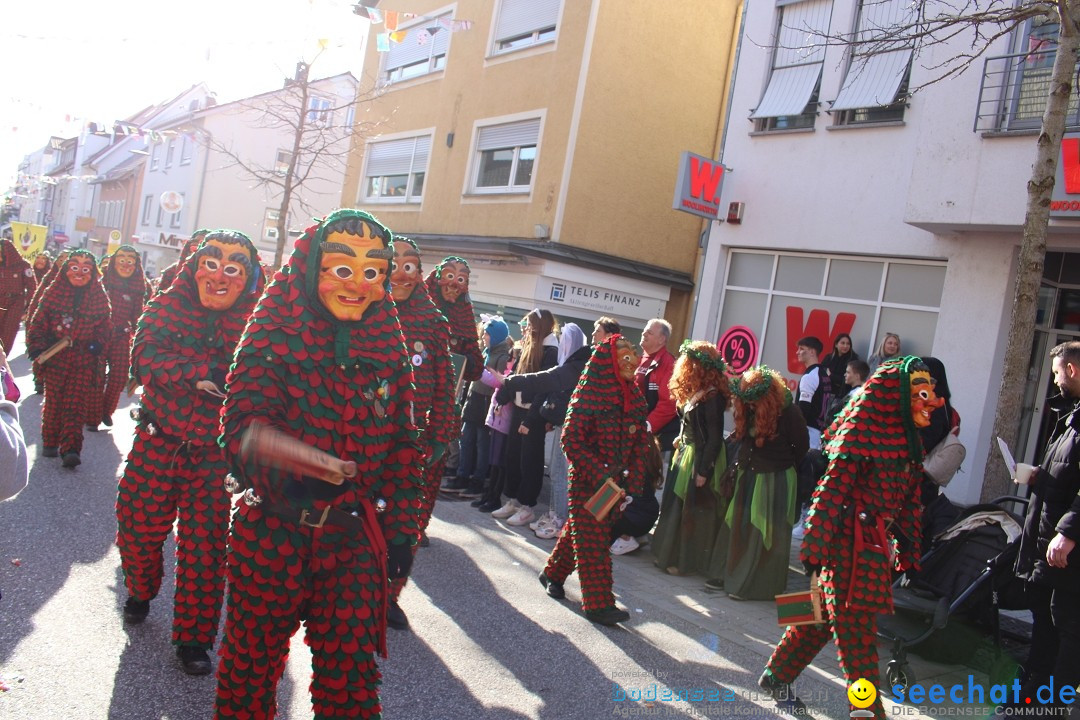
point(391, 20)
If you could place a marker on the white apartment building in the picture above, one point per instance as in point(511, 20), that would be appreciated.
point(870, 212)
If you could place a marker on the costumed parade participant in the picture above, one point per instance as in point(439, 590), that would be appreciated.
point(42, 263)
point(757, 526)
point(31, 308)
point(17, 285)
point(427, 340)
point(320, 528)
point(603, 437)
point(182, 349)
point(169, 273)
point(694, 503)
point(66, 335)
point(128, 290)
point(864, 522)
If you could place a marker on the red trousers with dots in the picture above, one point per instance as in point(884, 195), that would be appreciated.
point(855, 632)
point(69, 384)
point(279, 575)
point(118, 358)
point(584, 546)
point(165, 480)
point(432, 478)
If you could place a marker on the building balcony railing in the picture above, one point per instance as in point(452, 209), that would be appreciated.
point(1014, 91)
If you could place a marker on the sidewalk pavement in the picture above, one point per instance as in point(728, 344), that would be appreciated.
point(752, 625)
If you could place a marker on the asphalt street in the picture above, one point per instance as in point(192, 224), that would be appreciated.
point(486, 641)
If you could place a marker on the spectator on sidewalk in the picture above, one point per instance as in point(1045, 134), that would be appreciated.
point(887, 350)
point(603, 328)
point(556, 385)
point(653, 378)
point(525, 446)
point(475, 448)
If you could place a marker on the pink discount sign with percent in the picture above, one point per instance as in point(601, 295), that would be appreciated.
point(739, 347)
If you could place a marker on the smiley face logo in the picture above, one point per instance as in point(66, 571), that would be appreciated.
point(862, 693)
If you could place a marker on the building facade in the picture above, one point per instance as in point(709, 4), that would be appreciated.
point(870, 211)
point(540, 140)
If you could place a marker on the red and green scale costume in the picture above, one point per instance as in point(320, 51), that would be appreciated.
point(427, 340)
point(603, 434)
point(346, 389)
point(175, 470)
point(82, 314)
point(17, 286)
point(31, 308)
point(864, 521)
point(168, 275)
point(463, 336)
point(127, 297)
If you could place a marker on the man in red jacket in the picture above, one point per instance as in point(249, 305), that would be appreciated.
point(652, 377)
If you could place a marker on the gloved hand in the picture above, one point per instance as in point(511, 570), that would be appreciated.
point(399, 559)
point(438, 449)
point(811, 568)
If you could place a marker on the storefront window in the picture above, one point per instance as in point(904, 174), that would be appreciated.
point(855, 279)
point(800, 274)
point(915, 284)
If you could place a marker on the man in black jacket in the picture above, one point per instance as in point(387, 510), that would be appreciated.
point(1048, 560)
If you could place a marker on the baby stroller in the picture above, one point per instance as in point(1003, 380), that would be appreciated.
point(966, 575)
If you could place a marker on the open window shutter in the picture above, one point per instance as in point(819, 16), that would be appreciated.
point(798, 58)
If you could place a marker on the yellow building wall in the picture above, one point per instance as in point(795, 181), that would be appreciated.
point(656, 85)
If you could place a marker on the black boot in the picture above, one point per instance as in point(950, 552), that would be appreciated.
point(107, 421)
point(553, 588)
point(50, 451)
point(195, 660)
point(71, 460)
point(782, 693)
point(607, 616)
point(396, 617)
point(135, 611)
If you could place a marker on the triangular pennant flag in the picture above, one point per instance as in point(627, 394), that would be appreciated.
point(422, 37)
point(445, 22)
point(398, 36)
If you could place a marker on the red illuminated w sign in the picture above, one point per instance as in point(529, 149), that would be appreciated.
point(698, 189)
point(817, 325)
point(1070, 164)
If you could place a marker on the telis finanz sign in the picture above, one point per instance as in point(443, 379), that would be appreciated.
point(697, 188)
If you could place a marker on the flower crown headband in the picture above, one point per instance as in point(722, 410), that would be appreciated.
point(757, 389)
point(710, 362)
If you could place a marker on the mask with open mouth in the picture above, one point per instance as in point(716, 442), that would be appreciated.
point(78, 270)
point(352, 272)
point(453, 280)
point(125, 262)
point(923, 399)
point(406, 271)
point(222, 272)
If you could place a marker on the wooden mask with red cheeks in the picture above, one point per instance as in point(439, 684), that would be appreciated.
point(79, 270)
point(352, 273)
point(628, 359)
point(125, 263)
point(923, 399)
point(453, 280)
point(222, 272)
point(406, 271)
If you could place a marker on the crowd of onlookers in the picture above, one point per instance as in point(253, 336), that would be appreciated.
point(702, 515)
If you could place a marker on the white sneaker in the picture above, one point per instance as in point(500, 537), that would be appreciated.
point(522, 517)
point(506, 510)
point(547, 532)
point(621, 546)
point(799, 530)
point(542, 520)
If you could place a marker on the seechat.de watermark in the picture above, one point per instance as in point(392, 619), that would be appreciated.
point(974, 699)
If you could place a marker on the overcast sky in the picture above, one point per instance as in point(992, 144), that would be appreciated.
point(101, 62)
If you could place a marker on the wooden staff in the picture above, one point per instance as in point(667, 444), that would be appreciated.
point(274, 449)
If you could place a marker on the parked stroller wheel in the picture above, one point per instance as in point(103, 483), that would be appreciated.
point(899, 673)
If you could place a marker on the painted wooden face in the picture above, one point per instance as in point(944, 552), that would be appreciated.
point(222, 274)
point(352, 274)
point(628, 359)
point(125, 263)
point(923, 399)
point(406, 272)
point(41, 262)
point(79, 269)
point(453, 281)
